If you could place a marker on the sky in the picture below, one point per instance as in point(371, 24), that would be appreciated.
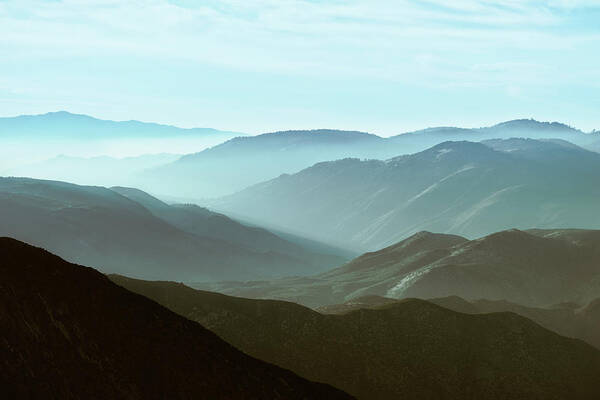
point(382, 66)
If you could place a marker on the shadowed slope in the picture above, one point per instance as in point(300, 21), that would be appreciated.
point(410, 349)
point(566, 319)
point(69, 332)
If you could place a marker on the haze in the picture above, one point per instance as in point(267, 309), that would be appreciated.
point(300, 199)
point(257, 66)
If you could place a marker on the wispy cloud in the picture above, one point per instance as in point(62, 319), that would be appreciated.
point(434, 43)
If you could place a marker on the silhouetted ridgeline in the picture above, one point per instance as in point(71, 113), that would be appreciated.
point(567, 319)
point(68, 332)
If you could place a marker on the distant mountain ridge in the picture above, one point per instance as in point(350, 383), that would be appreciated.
point(68, 332)
point(244, 161)
point(241, 162)
point(234, 162)
point(80, 126)
point(465, 188)
point(410, 349)
point(518, 128)
point(31, 139)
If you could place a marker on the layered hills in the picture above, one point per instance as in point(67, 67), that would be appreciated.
point(31, 143)
point(410, 349)
point(99, 227)
point(465, 188)
point(242, 162)
point(518, 128)
point(68, 332)
point(536, 268)
point(233, 163)
point(203, 222)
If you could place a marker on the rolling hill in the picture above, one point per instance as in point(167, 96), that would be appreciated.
point(411, 349)
point(537, 268)
point(567, 319)
point(101, 228)
point(70, 333)
point(244, 161)
point(465, 188)
point(202, 222)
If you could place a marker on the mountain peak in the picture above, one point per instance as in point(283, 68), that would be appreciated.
point(509, 237)
point(419, 242)
point(456, 150)
point(533, 124)
point(427, 241)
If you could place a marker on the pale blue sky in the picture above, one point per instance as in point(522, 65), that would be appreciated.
point(384, 66)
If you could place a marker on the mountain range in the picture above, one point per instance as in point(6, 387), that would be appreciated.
point(63, 124)
point(536, 268)
point(99, 227)
point(519, 128)
point(33, 142)
point(466, 188)
point(412, 349)
point(28, 140)
point(68, 332)
point(242, 162)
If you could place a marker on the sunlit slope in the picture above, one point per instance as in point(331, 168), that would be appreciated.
point(534, 268)
point(464, 188)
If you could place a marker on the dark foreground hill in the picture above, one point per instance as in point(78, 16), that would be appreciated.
point(406, 350)
point(67, 332)
point(99, 227)
point(536, 268)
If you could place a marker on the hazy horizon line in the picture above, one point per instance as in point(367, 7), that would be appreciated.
point(256, 133)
